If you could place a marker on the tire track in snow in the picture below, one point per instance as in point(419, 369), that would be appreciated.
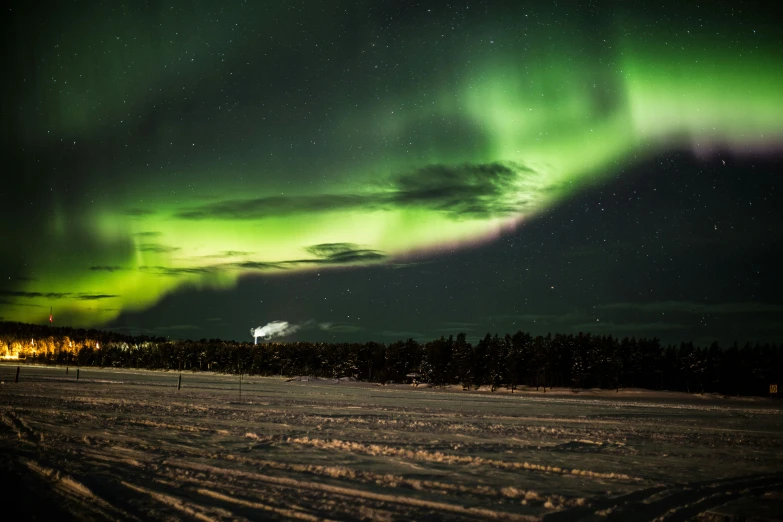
point(431, 486)
point(69, 487)
point(188, 508)
point(674, 503)
point(358, 493)
point(270, 498)
point(387, 451)
point(482, 492)
point(259, 506)
point(22, 429)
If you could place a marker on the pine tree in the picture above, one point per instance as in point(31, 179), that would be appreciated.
point(463, 362)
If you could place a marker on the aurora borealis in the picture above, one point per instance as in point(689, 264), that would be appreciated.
point(196, 170)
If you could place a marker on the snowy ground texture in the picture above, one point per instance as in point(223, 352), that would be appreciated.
point(126, 445)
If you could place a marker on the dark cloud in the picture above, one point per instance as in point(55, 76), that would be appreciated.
point(177, 327)
point(626, 328)
point(156, 248)
point(134, 330)
point(568, 317)
point(401, 334)
point(340, 253)
point(148, 234)
point(15, 303)
point(34, 295)
point(328, 249)
point(93, 297)
point(467, 190)
point(258, 208)
point(175, 271)
point(475, 190)
point(455, 327)
point(583, 322)
point(81, 296)
point(400, 266)
point(352, 256)
point(458, 324)
point(227, 253)
point(325, 254)
point(696, 308)
point(106, 268)
point(138, 212)
point(259, 265)
point(339, 328)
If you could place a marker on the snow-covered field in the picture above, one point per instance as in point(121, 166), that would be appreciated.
point(126, 445)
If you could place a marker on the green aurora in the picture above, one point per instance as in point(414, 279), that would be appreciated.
point(210, 145)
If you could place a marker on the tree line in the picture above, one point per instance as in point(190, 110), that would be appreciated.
point(511, 361)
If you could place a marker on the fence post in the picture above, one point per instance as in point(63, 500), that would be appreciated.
point(77, 374)
point(179, 382)
point(18, 368)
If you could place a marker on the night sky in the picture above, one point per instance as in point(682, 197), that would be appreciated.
point(384, 170)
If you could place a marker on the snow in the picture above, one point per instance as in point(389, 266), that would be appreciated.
point(126, 445)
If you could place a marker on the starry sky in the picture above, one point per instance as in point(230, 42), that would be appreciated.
point(384, 170)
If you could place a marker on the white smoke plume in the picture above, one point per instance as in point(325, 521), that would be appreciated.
point(274, 329)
